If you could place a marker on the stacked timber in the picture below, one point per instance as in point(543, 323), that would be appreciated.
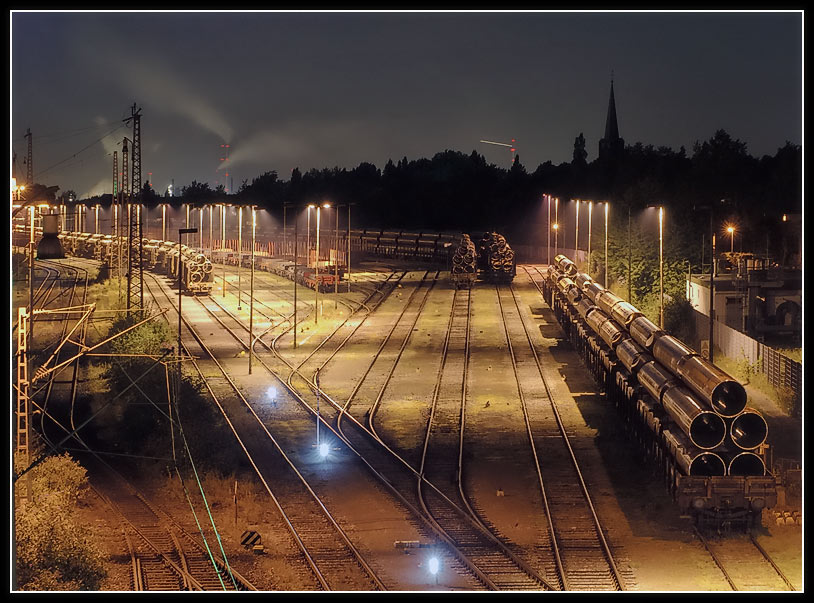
point(496, 258)
point(464, 263)
point(705, 424)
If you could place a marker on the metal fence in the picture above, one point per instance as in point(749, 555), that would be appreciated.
point(780, 370)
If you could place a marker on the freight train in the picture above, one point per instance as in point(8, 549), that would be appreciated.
point(159, 256)
point(688, 416)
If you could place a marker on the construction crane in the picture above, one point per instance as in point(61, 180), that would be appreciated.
point(504, 144)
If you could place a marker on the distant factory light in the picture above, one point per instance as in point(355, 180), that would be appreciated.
point(785, 218)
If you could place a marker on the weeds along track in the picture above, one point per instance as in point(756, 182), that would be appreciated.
point(326, 549)
point(745, 564)
point(581, 552)
point(163, 555)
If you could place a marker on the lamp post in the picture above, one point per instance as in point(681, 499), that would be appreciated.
point(211, 212)
point(308, 236)
point(576, 233)
point(556, 225)
point(607, 205)
point(181, 231)
point(731, 231)
point(349, 247)
point(200, 231)
point(187, 206)
point(285, 251)
point(239, 251)
point(96, 209)
point(629, 259)
point(548, 228)
point(223, 244)
point(556, 228)
point(296, 247)
point(661, 267)
point(251, 293)
point(163, 221)
point(336, 259)
point(590, 213)
point(316, 267)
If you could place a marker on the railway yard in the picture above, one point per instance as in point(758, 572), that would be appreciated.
point(416, 422)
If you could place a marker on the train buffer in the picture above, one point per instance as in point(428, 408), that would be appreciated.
point(252, 540)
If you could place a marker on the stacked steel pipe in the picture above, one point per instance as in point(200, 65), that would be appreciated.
point(697, 409)
point(464, 258)
point(496, 258)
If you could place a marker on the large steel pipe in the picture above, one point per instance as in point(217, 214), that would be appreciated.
point(592, 289)
point(564, 284)
point(566, 265)
point(691, 459)
point(748, 430)
point(595, 320)
point(726, 396)
point(705, 429)
point(612, 334)
point(606, 301)
point(644, 332)
point(747, 464)
point(655, 379)
point(632, 355)
point(670, 352)
point(624, 313)
point(582, 279)
point(584, 307)
point(573, 294)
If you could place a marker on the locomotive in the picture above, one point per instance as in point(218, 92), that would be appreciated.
point(688, 416)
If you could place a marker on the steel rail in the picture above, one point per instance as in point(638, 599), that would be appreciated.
point(295, 533)
point(583, 487)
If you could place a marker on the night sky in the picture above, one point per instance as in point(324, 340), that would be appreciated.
point(314, 90)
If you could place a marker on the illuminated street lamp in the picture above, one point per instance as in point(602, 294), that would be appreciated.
point(239, 251)
point(316, 266)
point(163, 221)
point(731, 231)
point(556, 228)
point(308, 235)
point(661, 267)
point(556, 225)
point(590, 213)
point(181, 231)
point(251, 292)
point(576, 233)
point(607, 205)
point(548, 227)
point(96, 209)
point(223, 243)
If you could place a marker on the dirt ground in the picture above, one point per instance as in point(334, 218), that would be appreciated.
point(656, 547)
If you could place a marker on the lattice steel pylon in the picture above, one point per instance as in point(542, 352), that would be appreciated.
point(124, 238)
point(29, 162)
point(135, 273)
point(23, 431)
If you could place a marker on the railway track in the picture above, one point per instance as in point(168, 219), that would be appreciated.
point(335, 561)
point(745, 564)
point(582, 554)
point(453, 559)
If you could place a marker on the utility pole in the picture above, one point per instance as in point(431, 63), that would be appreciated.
point(251, 292)
point(296, 222)
point(349, 247)
point(336, 259)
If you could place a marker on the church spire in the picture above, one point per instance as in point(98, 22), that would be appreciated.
point(611, 127)
point(612, 146)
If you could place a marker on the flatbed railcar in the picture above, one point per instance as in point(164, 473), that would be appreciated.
point(159, 256)
point(712, 501)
